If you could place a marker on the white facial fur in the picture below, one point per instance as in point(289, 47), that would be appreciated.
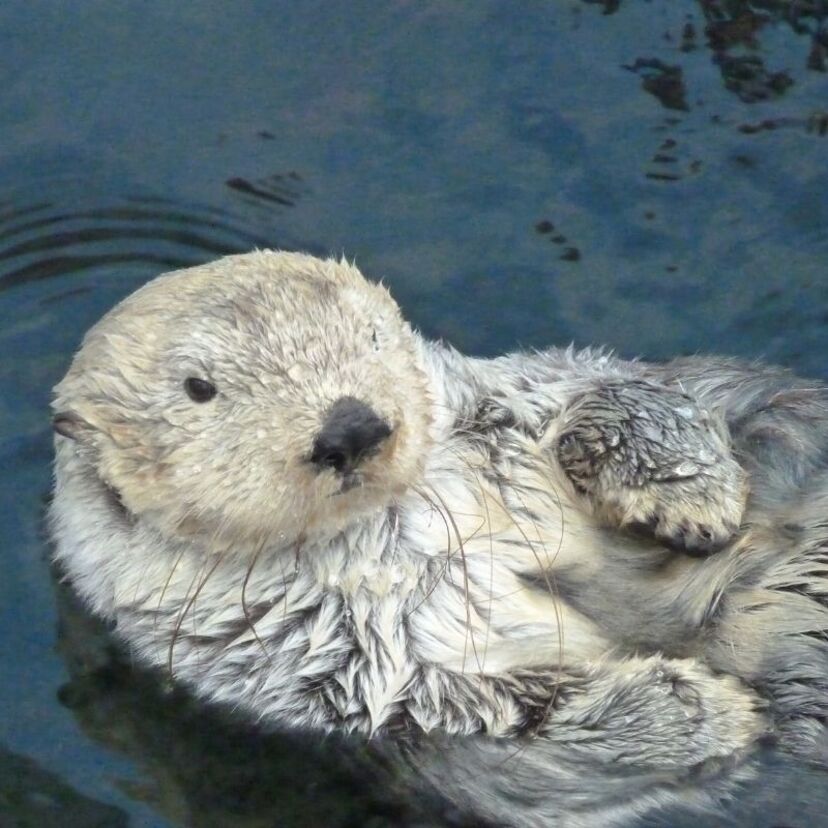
point(282, 337)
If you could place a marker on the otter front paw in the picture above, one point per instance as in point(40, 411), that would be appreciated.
point(649, 458)
point(724, 718)
point(716, 718)
point(666, 713)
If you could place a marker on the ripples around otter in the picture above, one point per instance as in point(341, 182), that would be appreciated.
point(45, 241)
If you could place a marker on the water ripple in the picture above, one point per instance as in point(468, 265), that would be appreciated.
point(151, 231)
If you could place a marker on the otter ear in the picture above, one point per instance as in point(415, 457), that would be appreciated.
point(71, 425)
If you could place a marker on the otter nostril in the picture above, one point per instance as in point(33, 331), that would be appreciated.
point(351, 432)
point(333, 460)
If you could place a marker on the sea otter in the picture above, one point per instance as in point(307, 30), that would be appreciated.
point(282, 494)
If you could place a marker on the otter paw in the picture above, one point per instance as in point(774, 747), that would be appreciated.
point(697, 514)
point(724, 718)
point(649, 458)
point(667, 714)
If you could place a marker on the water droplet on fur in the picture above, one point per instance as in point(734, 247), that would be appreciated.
point(659, 674)
point(686, 412)
point(196, 469)
point(260, 434)
point(686, 469)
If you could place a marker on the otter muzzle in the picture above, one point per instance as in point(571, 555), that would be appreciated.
point(351, 432)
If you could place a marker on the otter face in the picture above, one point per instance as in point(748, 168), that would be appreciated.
point(263, 396)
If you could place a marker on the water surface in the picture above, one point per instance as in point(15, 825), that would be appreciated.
point(647, 175)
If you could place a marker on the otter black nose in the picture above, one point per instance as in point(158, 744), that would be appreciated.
point(351, 431)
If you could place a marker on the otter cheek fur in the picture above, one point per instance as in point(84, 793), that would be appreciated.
point(291, 501)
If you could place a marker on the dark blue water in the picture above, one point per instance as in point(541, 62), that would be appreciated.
point(648, 175)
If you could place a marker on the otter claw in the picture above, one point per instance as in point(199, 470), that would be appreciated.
point(697, 540)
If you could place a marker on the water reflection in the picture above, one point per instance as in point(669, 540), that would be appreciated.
point(207, 768)
point(31, 797)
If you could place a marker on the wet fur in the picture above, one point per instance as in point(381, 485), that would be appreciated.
point(542, 665)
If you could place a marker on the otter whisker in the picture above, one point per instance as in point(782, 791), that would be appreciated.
point(551, 586)
point(297, 551)
point(167, 582)
point(449, 553)
point(487, 522)
point(178, 622)
point(546, 570)
point(141, 583)
point(469, 631)
point(187, 607)
point(245, 609)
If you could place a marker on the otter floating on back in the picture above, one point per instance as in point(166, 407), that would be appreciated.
point(286, 497)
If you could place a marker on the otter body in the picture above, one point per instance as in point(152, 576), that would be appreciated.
point(284, 496)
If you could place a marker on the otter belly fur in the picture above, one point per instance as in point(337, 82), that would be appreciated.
point(284, 496)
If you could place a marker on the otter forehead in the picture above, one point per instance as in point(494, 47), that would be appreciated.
point(282, 319)
point(263, 313)
point(262, 292)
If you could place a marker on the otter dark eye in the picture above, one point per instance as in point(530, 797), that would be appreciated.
point(199, 390)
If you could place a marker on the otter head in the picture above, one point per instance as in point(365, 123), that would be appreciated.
point(260, 397)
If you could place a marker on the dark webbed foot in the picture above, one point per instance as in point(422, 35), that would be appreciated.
point(649, 458)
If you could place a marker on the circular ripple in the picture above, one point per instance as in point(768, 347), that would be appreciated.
point(41, 241)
